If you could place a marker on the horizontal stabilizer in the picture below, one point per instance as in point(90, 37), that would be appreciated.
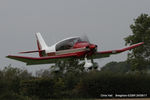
point(32, 51)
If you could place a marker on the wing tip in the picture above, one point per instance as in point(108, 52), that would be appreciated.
point(136, 45)
point(140, 43)
point(8, 56)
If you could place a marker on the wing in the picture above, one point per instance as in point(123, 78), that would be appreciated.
point(103, 54)
point(41, 60)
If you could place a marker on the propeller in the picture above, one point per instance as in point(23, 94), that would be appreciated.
point(84, 38)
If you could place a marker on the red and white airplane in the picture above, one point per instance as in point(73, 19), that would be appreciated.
point(70, 48)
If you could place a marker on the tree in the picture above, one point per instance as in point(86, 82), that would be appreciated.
point(116, 67)
point(66, 66)
point(38, 87)
point(139, 57)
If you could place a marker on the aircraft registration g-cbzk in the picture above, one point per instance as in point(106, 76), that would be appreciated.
point(70, 48)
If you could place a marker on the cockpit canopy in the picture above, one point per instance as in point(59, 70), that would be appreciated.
point(69, 43)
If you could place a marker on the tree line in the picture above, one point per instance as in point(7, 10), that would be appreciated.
point(18, 84)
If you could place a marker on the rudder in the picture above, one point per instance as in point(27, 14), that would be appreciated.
point(40, 43)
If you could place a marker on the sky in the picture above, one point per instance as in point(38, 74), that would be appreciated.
point(105, 22)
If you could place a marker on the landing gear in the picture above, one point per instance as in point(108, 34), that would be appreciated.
point(95, 65)
point(87, 64)
point(90, 65)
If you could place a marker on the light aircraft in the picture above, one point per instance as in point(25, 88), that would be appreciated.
point(69, 48)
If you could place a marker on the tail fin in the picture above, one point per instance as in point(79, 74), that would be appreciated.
point(40, 43)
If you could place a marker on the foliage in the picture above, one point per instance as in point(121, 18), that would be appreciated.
point(117, 67)
point(40, 87)
point(11, 96)
point(95, 83)
point(10, 83)
point(139, 58)
point(72, 85)
point(67, 66)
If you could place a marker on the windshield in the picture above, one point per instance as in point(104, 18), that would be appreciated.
point(69, 43)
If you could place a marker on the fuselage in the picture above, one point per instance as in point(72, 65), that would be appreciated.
point(80, 49)
point(74, 45)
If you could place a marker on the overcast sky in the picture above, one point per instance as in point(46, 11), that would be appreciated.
point(105, 22)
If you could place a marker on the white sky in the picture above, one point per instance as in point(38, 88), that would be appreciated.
point(105, 22)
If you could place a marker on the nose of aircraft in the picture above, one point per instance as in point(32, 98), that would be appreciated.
point(92, 46)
